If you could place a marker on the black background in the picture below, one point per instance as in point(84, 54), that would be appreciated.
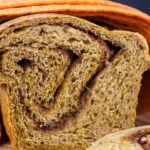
point(143, 5)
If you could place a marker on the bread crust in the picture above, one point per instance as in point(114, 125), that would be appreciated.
point(4, 97)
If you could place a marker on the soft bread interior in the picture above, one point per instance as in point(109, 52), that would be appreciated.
point(144, 95)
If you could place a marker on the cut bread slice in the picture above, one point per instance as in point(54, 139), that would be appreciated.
point(130, 139)
point(66, 81)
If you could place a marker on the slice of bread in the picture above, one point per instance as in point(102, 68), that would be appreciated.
point(130, 139)
point(67, 82)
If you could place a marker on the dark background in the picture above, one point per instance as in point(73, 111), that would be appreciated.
point(143, 5)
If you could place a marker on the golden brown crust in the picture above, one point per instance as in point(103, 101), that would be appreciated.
point(6, 116)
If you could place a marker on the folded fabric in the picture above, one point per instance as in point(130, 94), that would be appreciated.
point(131, 139)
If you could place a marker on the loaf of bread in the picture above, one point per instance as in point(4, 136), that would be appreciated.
point(66, 81)
point(131, 139)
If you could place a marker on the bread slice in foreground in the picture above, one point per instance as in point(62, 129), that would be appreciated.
point(130, 139)
point(67, 82)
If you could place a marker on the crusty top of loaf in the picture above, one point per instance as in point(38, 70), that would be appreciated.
point(31, 20)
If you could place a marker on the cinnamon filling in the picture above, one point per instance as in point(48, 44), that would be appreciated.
point(111, 52)
point(143, 139)
point(25, 63)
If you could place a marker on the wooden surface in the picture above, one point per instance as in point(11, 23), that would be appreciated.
point(143, 110)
